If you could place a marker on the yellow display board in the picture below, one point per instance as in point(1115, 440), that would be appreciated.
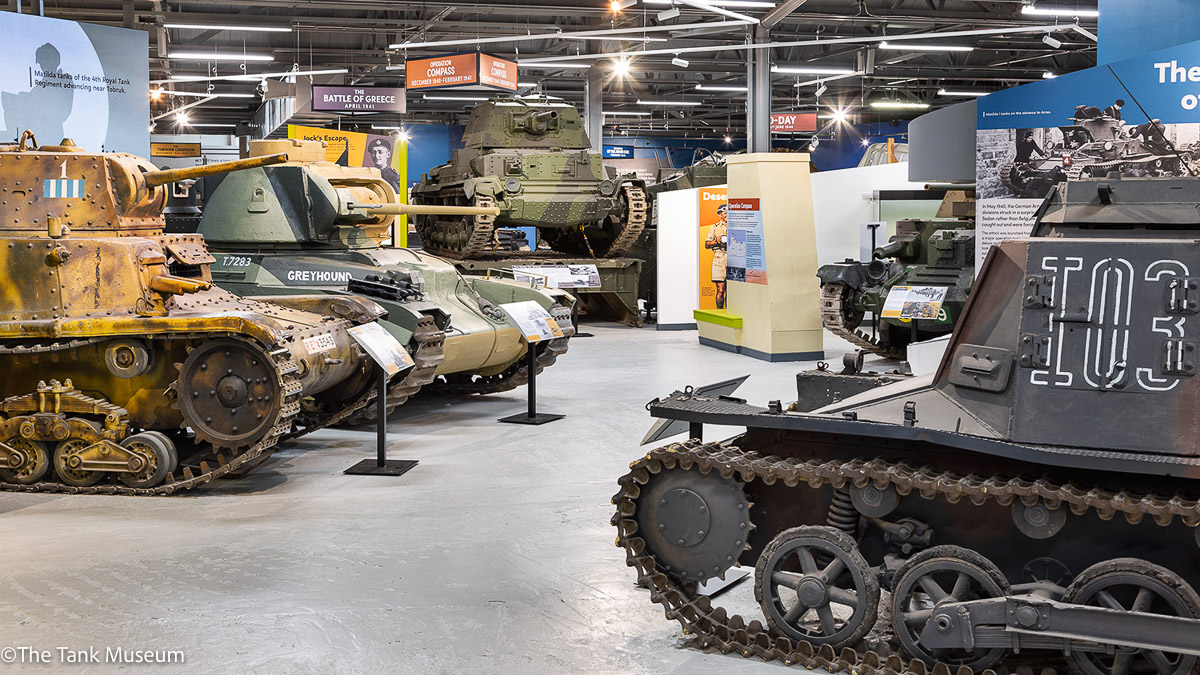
point(389, 154)
point(713, 242)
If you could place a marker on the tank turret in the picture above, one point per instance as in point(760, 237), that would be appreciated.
point(312, 226)
point(122, 361)
point(1036, 499)
point(531, 158)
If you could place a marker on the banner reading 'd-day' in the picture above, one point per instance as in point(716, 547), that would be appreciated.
point(1083, 124)
point(348, 148)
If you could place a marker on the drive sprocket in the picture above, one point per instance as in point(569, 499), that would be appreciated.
point(230, 392)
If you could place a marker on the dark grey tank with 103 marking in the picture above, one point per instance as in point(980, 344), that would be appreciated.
point(1033, 503)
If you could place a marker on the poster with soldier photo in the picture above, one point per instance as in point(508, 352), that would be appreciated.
point(1137, 117)
point(64, 79)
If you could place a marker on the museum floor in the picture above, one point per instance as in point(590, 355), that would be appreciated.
point(494, 555)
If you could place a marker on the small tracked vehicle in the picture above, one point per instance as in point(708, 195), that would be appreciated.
point(125, 370)
point(530, 157)
point(1030, 507)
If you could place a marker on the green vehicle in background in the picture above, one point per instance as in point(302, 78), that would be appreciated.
point(309, 225)
point(530, 157)
point(926, 261)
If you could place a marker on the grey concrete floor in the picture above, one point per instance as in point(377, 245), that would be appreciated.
point(494, 555)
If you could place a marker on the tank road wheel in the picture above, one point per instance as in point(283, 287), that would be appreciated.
point(932, 577)
point(229, 393)
point(35, 467)
point(695, 525)
point(814, 585)
point(1133, 585)
point(63, 454)
point(163, 458)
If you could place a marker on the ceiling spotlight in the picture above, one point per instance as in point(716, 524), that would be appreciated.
point(866, 142)
point(1048, 75)
point(821, 89)
point(619, 5)
point(840, 116)
point(813, 145)
point(1052, 41)
point(181, 117)
point(728, 140)
point(1056, 11)
point(620, 67)
point(668, 14)
point(681, 63)
point(156, 94)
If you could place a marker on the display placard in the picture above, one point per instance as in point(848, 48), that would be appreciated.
point(913, 302)
point(472, 69)
point(618, 152)
point(358, 99)
point(382, 347)
point(714, 241)
point(535, 322)
point(559, 276)
point(747, 254)
point(174, 149)
point(793, 122)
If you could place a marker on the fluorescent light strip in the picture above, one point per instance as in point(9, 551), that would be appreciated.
point(435, 97)
point(1059, 11)
point(198, 94)
point(219, 56)
point(669, 103)
point(911, 47)
point(253, 29)
point(812, 70)
point(632, 37)
point(739, 4)
point(385, 126)
point(949, 92)
point(551, 66)
point(722, 87)
point(256, 76)
point(898, 105)
point(210, 124)
point(629, 113)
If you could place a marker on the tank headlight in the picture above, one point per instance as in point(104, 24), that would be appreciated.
point(607, 188)
point(1108, 145)
point(512, 184)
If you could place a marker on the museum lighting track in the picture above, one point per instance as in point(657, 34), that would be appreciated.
point(251, 77)
point(722, 87)
point(249, 29)
point(218, 56)
point(668, 103)
point(1034, 10)
point(627, 113)
point(899, 105)
point(912, 47)
point(950, 92)
point(811, 70)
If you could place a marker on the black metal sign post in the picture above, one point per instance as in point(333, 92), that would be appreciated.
point(532, 417)
point(381, 465)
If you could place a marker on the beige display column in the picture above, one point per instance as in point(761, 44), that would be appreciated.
point(779, 320)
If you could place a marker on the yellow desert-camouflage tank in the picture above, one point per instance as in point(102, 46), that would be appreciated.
point(122, 361)
point(530, 156)
point(309, 225)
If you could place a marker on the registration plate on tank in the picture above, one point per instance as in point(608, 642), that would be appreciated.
point(319, 343)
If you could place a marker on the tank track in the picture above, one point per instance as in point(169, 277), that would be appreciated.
point(516, 374)
point(834, 319)
point(481, 241)
point(428, 357)
point(715, 630)
point(635, 221)
point(223, 464)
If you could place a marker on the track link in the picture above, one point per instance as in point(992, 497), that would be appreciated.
point(635, 221)
point(715, 630)
point(480, 240)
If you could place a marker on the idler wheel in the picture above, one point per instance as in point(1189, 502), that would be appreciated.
point(939, 575)
point(814, 585)
point(1134, 585)
point(695, 525)
point(36, 465)
point(163, 458)
point(66, 464)
point(229, 393)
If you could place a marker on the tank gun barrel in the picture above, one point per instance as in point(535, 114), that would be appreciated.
point(539, 122)
point(428, 210)
point(156, 178)
point(890, 249)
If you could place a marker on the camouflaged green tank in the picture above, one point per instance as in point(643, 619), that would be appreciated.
point(531, 157)
point(309, 225)
point(926, 272)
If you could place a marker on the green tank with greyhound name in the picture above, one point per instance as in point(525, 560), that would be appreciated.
point(530, 157)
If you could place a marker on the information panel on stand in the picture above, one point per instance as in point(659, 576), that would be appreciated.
point(535, 322)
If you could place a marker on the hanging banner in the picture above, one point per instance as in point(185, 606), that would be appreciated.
point(386, 153)
point(470, 71)
point(81, 81)
point(793, 122)
point(747, 255)
point(714, 243)
point(1080, 125)
point(358, 99)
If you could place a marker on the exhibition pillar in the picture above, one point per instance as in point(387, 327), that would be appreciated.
point(772, 262)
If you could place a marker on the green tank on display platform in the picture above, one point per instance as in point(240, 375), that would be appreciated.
point(309, 225)
point(924, 254)
point(530, 157)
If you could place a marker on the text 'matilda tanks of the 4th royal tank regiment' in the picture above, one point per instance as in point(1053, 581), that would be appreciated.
point(126, 370)
point(530, 157)
point(1029, 507)
point(311, 226)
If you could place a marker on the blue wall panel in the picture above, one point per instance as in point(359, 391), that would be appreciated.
point(1132, 27)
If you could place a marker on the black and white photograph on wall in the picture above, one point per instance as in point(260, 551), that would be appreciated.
point(1026, 163)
